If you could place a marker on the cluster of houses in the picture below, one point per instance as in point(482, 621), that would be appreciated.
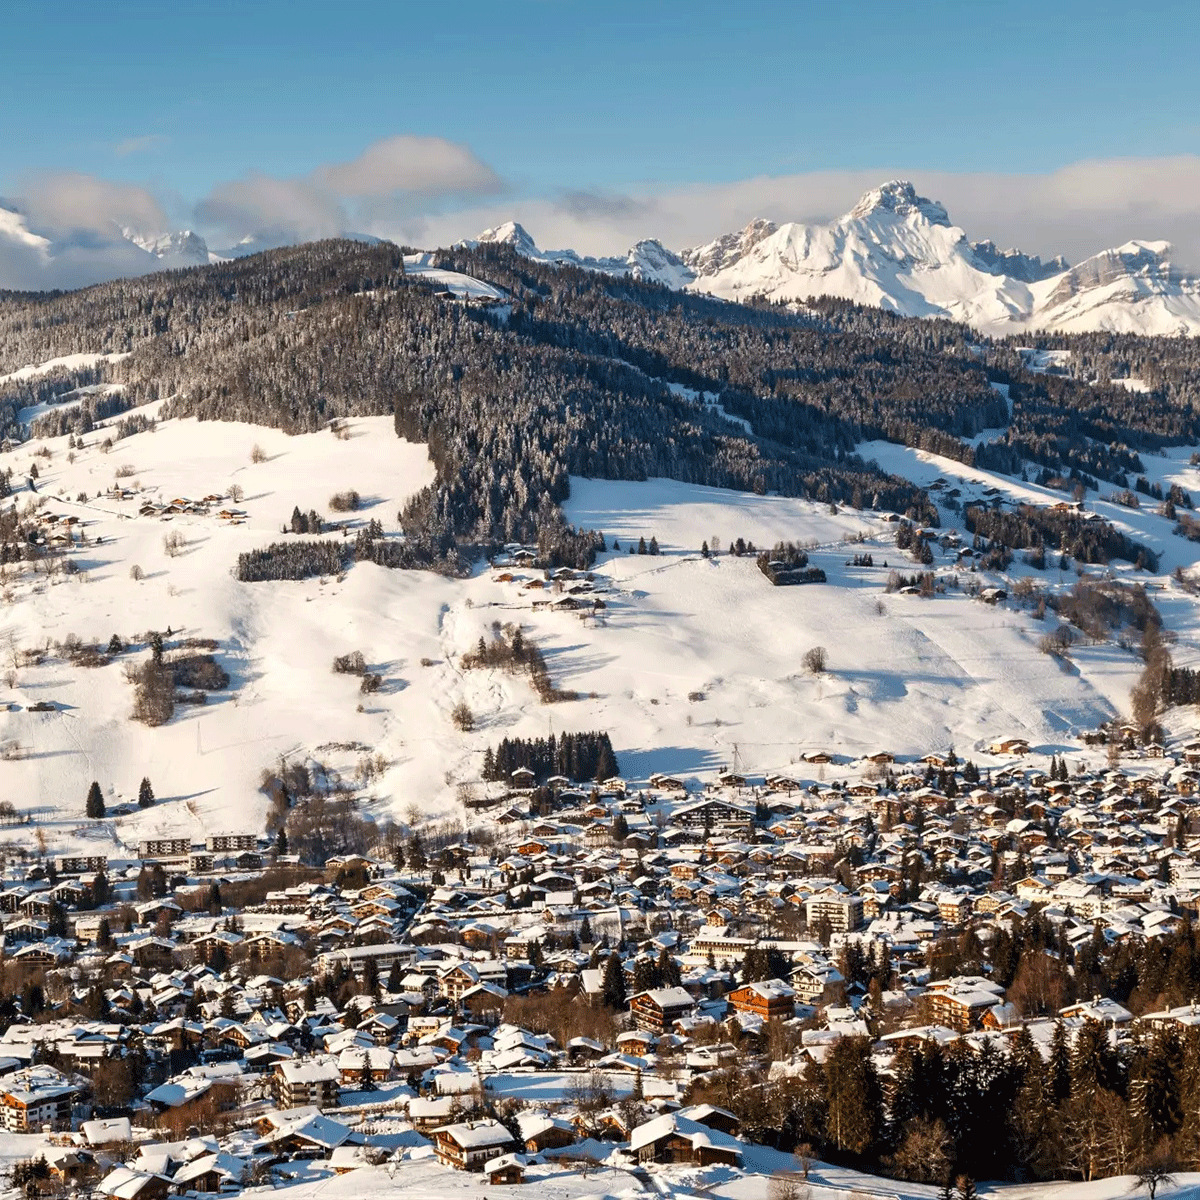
point(209, 505)
point(700, 922)
point(559, 589)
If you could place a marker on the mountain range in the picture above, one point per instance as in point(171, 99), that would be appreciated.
point(898, 250)
point(895, 250)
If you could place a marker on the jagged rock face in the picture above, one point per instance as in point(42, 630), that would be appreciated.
point(729, 249)
point(1028, 268)
point(1145, 260)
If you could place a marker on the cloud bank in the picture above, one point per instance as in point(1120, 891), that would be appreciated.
point(391, 179)
point(429, 191)
point(71, 227)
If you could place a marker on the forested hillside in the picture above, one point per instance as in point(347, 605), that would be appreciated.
point(588, 375)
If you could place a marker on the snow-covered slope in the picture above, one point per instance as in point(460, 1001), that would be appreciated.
point(897, 250)
point(679, 686)
point(1132, 289)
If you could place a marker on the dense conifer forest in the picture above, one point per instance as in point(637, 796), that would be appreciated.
point(586, 374)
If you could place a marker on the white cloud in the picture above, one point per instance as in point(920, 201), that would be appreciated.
point(406, 163)
point(141, 145)
point(73, 205)
point(390, 180)
point(279, 209)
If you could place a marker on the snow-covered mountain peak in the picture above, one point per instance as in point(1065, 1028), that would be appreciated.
point(513, 234)
point(649, 260)
point(181, 248)
point(898, 196)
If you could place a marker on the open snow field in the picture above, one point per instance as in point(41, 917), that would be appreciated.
point(905, 674)
point(692, 664)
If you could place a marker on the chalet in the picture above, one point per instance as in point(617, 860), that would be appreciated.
point(818, 983)
point(782, 783)
point(673, 1138)
point(770, 999)
point(961, 1003)
point(505, 1169)
point(954, 907)
point(843, 910)
point(540, 1132)
point(353, 1060)
point(1010, 746)
point(126, 1183)
point(209, 1173)
point(667, 783)
point(468, 1145)
point(303, 1133)
point(659, 1008)
point(713, 812)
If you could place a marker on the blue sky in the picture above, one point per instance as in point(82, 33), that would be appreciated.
point(592, 110)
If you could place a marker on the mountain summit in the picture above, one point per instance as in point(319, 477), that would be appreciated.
point(899, 250)
point(898, 196)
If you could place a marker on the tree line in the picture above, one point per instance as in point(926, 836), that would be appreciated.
point(576, 756)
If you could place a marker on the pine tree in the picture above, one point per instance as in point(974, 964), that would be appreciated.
point(281, 841)
point(95, 801)
point(370, 977)
point(100, 890)
point(416, 853)
point(214, 900)
point(366, 1081)
point(1093, 1062)
point(613, 986)
point(668, 969)
point(853, 1097)
point(395, 979)
point(145, 793)
point(1060, 1064)
point(1155, 1094)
